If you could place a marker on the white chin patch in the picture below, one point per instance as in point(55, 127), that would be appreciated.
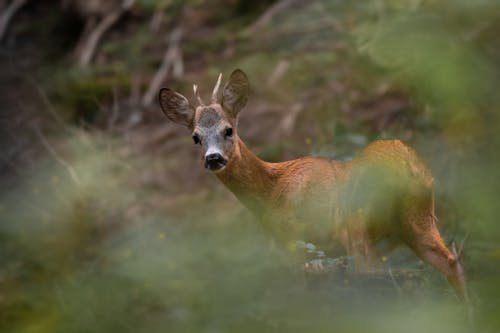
point(219, 170)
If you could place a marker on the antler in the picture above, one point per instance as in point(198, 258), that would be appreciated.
point(197, 94)
point(215, 93)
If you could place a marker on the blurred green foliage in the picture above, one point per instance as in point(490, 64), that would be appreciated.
point(110, 252)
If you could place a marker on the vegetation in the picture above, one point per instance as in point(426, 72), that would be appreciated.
point(109, 223)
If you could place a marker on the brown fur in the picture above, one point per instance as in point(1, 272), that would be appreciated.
point(285, 195)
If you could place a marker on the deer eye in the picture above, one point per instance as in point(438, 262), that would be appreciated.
point(196, 139)
point(228, 132)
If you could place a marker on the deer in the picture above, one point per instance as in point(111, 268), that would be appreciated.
point(385, 193)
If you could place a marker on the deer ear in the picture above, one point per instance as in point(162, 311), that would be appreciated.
point(235, 93)
point(176, 107)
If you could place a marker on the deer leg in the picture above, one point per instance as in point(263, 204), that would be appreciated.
point(359, 245)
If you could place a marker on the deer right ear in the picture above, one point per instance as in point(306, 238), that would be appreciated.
point(176, 107)
point(235, 93)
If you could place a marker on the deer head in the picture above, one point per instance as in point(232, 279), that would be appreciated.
point(213, 126)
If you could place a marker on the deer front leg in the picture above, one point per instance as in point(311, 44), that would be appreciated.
point(359, 245)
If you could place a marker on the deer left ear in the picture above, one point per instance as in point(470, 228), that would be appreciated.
point(235, 93)
point(176, 107)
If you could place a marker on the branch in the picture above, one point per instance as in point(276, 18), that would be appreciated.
point(172, 59)
point(394, 282)
point(58, 158)
point(89, 46)
point(157, 20)
point(278, 72)
point(7, 15)
point(288, 122)
point(268, 15)
point(43, 95)
point(462, 243)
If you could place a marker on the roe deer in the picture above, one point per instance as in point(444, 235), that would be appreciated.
point(386, 192)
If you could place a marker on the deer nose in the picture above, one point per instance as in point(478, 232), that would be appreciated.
point(214, 161)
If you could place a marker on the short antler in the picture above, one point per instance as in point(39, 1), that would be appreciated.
point(215, 93)
point(197, 94)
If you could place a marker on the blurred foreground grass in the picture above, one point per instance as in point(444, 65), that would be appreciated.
point(90, 256)
point(76, 258)
point(141, 240)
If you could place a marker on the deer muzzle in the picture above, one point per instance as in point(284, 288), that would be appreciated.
point(215, 162)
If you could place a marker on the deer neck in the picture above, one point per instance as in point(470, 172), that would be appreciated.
point(249, 178)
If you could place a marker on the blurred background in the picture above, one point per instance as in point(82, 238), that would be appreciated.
point(110, 223)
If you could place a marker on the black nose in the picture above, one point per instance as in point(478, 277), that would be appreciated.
point(214, 161)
